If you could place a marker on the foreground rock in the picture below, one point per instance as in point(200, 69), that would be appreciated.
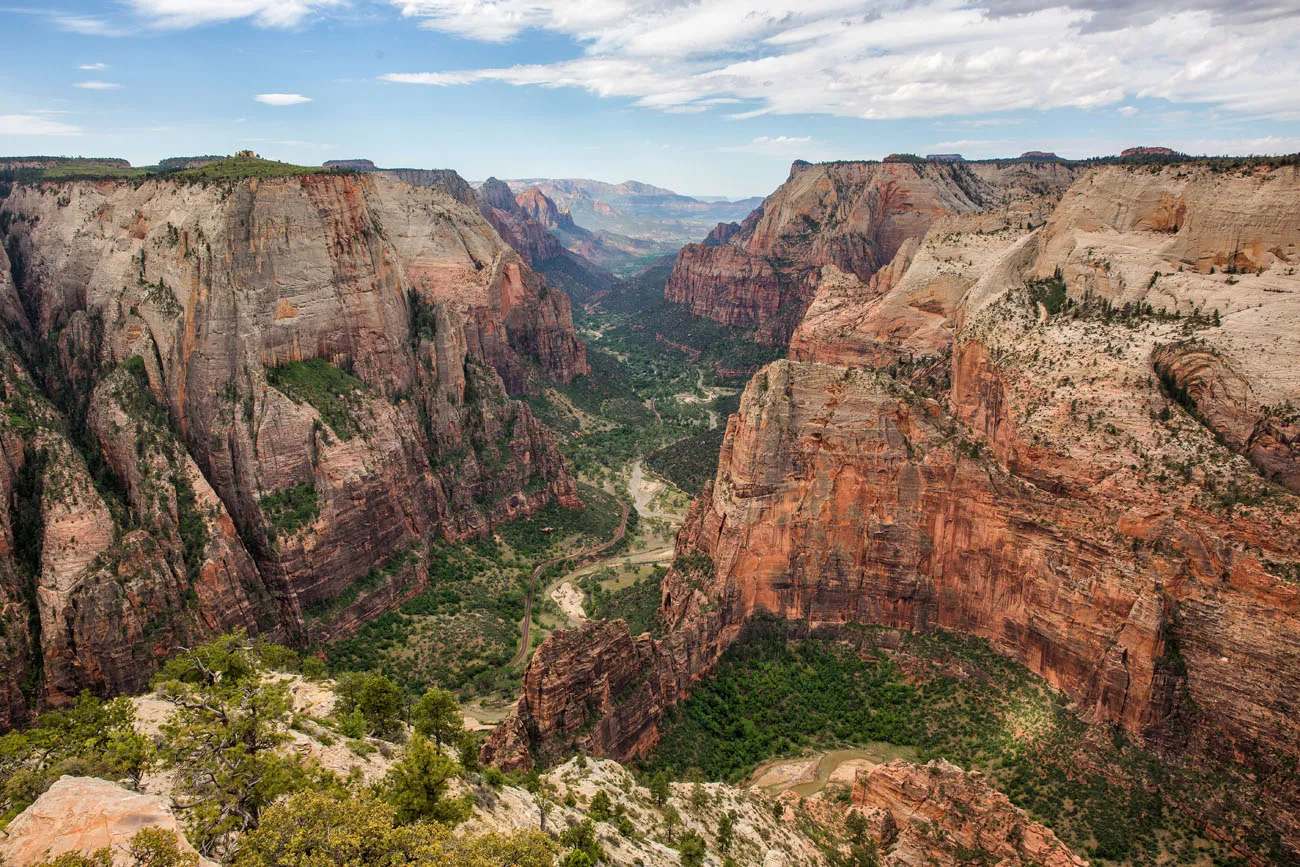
point(83, 815)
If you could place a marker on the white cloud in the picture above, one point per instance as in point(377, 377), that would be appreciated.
point(93, 67)
point(97, 85)
point(1127, 110)
point(173, 14)
point(891, 58)
point(282, 98)
point(88, 25)
point(28, 124)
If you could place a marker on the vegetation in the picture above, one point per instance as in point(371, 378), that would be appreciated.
point(89, 738)
point(333, 392)
point(240, 167)
point(637, 603)
point(150, 847)
point(961, 701)
point(693, 461)
point(291, 509)
point(319, 829)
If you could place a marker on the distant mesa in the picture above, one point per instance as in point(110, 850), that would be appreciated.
point(945, 158)
point(1040, 156)
point(904, 158)
point(38, 162)
point(1149, 152)
point(355, 165)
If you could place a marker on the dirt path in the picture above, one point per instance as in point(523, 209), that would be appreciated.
point(580, 558)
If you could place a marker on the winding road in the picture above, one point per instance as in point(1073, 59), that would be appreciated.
point(580, 559)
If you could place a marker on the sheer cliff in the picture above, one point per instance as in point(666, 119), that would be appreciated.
point(1077, 441)
point(244, 404)
point(855, 216)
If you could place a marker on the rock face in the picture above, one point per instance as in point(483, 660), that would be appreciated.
point(168, 476)
point(82, 815)
point(1027, 476)
point(941, 815)
point(853, 216)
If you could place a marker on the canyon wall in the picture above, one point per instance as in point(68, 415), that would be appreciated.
point(226, 404)
point(1075, 441)
point(854, 216)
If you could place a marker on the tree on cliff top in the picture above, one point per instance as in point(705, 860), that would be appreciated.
point(222, 740)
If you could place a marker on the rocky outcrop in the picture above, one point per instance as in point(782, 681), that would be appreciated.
point(937, 814)
point(246, 399)
point(853, 216)
point(82, 815)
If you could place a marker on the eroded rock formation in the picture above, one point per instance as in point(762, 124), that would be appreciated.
point(167, 476)
point(853, 216)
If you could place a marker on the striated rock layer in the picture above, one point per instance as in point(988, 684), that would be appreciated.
point(1090, 472)
point(167, 477)
point(938, 814)
point(854, 216)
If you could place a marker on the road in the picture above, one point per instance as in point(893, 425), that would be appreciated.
point(580, 558)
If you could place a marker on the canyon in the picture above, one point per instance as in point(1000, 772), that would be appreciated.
point(227, 403)
point(1066, 426)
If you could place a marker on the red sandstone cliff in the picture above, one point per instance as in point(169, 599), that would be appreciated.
point(850, 215)
point(160, 500)
point(1040, 486)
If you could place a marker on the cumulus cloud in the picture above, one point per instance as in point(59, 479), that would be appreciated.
point(889, 59)
point(97, 85)
point(29, 124)
point(176, 14)
point(282, 98)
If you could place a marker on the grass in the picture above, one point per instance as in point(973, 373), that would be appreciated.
point(953, 697)
point(333, 392)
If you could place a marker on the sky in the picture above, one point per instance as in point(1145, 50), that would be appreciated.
point(706, 98)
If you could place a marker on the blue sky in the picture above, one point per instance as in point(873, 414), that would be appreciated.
point(707, 98)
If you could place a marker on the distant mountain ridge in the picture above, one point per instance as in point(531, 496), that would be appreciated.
point(638, 210)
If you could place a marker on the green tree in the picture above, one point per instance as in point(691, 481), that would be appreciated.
point(416, 786)
point(601, 808)
point(856, 825)
point(659, 788)
point(467, 747)
point(379, 701)
point(582, 838)
point(222, 739)
point(672, 819)
point(699, 797)
point(727, 830)
point(692, 850)
point(436, 715)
